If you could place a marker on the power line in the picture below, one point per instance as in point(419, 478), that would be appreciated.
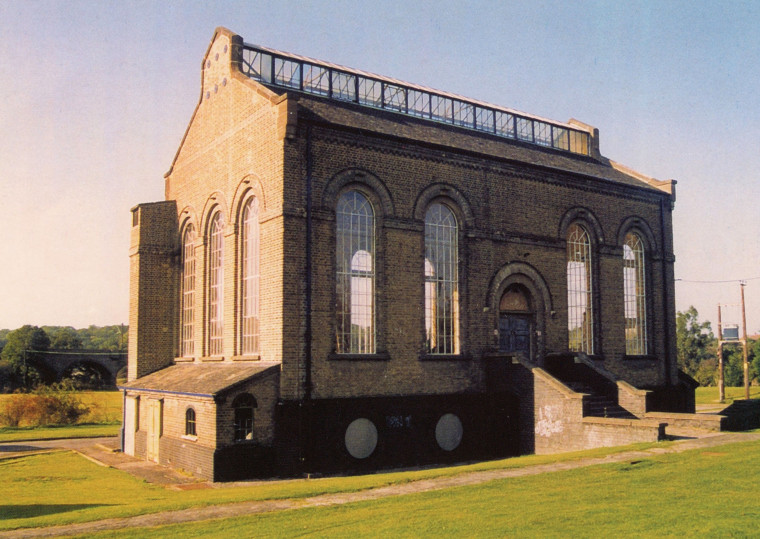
point(719, 282)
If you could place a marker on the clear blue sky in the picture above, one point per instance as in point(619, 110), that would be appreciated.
point(95, 98)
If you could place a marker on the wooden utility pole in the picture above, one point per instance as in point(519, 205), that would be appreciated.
point(744, 344)
point(721, 380)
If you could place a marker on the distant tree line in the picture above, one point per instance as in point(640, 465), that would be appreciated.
point(698, 352)
point(19, 346)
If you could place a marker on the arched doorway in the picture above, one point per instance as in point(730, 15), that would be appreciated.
point(516, 321)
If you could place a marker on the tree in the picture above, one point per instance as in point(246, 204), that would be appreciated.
point(695, 342)
point(111, 338)
point(733, 365)
point(754, 357)
point(65, 338)
point(3, 337)
point(19, 350)
point(733, 362)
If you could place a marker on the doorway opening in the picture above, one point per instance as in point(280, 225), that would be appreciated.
point(516, 321)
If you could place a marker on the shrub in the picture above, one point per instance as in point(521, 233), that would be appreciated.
point(48, 405)
point(59, 404)
point(16, 410)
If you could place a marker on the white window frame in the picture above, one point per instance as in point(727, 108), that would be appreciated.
point(634, 295)
point(216, 286)
point(355, 274)
point(250, 321)
point(441, 280)
point(187, 298)
point(580, 286)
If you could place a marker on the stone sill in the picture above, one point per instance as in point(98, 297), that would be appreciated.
point(445, 357)
point(640, 358)
point(380, 356)
point(252, 357)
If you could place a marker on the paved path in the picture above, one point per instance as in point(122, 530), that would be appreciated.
point(706, 441)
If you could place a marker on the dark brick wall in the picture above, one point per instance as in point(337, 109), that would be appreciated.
point(188, 456)
point(405, 430)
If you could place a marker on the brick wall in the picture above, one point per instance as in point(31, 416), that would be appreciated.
point(232, 151)
point(214, 423)
point(266, 392)
point(508, 214)
point(152, 293)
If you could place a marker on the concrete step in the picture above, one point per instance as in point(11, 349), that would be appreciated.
point(602, 406)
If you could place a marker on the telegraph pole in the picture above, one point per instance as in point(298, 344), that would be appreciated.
point(742, 284)
point(721, 380)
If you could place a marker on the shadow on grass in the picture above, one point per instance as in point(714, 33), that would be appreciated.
point(8, 512)
point(12, 448)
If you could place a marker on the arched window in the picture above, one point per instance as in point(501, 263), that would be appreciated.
point(190, 422)
point(441, 280)
point(634, 294)
point(580, 315)
point(216, 286)
point(243, 406)
point(187, 336)
point(355, 274)
point(250, 277)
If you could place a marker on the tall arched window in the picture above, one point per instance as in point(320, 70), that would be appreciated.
point(634, 294)
point(187, 336)
point(441, 280)
point(580, 311)
point(216, 286)
point(355, 274)
point(250, 277)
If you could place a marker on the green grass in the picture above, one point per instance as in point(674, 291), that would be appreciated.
point(105, 406)
point(20, 434)
point(698, 493)
point(709, 395)
point(37, 484)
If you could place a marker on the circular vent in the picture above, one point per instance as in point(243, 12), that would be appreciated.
point(361, 438)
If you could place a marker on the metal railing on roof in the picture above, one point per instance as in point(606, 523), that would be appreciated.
point(322, 79)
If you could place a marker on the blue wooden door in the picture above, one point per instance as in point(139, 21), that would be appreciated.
point(514, 333)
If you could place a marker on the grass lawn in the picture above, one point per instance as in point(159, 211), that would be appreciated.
point(697, 493)
point(709, 395)
point(38, 486)
point(20, 434)
point(105, 406)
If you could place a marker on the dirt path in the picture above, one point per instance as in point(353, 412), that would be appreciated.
point(425, 485)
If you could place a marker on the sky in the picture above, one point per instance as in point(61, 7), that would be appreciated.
point(96, 96)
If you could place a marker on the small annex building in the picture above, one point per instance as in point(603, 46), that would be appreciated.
point(350, 272)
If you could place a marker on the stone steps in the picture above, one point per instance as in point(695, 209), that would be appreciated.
point(603, 406)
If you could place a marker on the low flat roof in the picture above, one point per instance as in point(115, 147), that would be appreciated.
point(200, 379)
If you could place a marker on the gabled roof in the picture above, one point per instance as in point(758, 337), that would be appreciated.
point(201, 379)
